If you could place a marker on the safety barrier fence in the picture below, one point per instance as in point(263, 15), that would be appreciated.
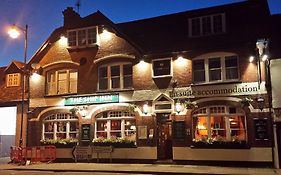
point(34, 154)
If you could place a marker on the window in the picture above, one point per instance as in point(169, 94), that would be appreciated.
point(60, 126)
point(215, 69)
point(82, 37)
point(219, 123)
point(118, 124)
point(62, 82)
point(117, 76)
point(207, 25)
point(13, 79)
point(162, 67)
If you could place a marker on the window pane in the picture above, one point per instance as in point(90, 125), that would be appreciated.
point(115, 71)
point(195, 27)
point(130, 129)
point(102, 125)
point(115, 76)
point(92, 34)
point(73, 82)
point(237, 127)
point(201, 128)
point(214, 69)
point(81, 37)
point(206, 25)
point(62, 83)
point(127, 69)
point(51, 83)
point(128, 83)
point(162, 67)
point(218, 130)
point(231, 66)
point(103, 79)
point(115, 125)
point(72, 38)
point(217, 24)
point(198, 71)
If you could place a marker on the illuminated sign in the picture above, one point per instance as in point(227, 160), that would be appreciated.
point(93, 99)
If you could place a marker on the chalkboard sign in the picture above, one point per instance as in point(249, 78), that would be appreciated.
point(261, 128)
point(85, 132)
point(179, 130)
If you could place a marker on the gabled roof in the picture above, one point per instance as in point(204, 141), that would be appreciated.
point(15, 65)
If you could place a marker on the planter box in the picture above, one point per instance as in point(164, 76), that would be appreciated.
point(115, 145)
point(222, 145)
point(60, 145)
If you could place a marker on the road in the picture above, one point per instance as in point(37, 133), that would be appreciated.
point(13, 172)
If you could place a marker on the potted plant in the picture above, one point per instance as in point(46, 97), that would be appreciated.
point(73, 110)
point(132, 108)
point(246, 101)
point(190, 105)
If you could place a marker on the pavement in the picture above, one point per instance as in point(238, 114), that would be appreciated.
point(128, 168)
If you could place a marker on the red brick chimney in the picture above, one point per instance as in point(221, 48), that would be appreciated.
point(70, 17)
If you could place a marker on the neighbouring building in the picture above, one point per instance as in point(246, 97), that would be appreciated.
point(178, 86)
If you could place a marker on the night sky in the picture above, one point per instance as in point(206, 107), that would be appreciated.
point(43, 16)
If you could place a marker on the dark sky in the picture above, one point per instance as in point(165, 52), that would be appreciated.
point(43, 16)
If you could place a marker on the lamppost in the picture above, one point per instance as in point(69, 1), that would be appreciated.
point(14, 32)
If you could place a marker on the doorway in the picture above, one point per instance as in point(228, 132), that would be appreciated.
point(278, 131)
point(164, 135)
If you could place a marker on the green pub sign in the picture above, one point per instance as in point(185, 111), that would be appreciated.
point(93, 99)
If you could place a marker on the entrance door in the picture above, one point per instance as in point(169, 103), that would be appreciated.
point(278, 131)
point(164, 141)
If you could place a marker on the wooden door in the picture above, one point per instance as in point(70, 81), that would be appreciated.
point(164, 141)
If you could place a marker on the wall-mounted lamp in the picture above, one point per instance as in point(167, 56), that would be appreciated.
point(178, 106)
point(145, 108)
point(260, 102)
point(251, 59)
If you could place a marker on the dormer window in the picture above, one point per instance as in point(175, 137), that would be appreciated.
point(13, 80)
point(162, 68)
point(207, 25)
point(82, 37)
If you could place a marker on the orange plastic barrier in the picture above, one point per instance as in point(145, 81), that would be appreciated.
point(34, 154)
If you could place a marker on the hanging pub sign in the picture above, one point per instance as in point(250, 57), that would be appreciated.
point(93, 99)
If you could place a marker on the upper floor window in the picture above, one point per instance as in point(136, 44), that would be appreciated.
point(162, 67)
point(13, 79)
point(215, 69)
point(82, 37)
point(62, 82)
point(115, 76)
point(207, 25)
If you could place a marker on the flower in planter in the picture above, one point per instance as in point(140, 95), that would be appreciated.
point(190, 105)
point(114, 141)
point(246, 101)
point(132, 108)
point(59, 141)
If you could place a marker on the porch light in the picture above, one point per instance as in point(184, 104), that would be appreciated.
point(105, 35)
point(178, 106)
point(63, 40)
point(145, 108)
point(251, 59)
point(264, 57)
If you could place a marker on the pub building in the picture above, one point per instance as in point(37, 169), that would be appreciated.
point(177, 87)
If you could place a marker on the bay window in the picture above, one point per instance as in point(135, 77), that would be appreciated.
point(60, 126)
point(116, 124)
point(115, 76)
point(222, 123)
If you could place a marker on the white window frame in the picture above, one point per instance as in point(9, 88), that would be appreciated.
point(162, 76)
point(222, 56)
point(109, 77)
point(56, 118)
point(69, 81)
point(226, 114)
point(124, 116)
point(87, 44)
point(212, 25)
point(13, 79)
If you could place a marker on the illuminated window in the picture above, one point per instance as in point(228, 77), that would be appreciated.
point(207, 25)
point(60, 126)
point(219, 123)
point(82, 37)
point(117, 124)
point(13, 79)
point(216, 69)
point(115, 76)
point(62, 82)
point(162, 67)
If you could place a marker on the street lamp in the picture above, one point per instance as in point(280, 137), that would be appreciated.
point(14, 32)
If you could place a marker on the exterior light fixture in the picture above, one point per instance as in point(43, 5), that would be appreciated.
point(178, 106)
point(63, 40)
point(145, 108)
point(264, 57)
point(105, 35)
point(251, 59)
point(260, 102)
point(14, 32)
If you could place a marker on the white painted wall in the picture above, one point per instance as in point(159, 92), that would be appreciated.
point(275, 68)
